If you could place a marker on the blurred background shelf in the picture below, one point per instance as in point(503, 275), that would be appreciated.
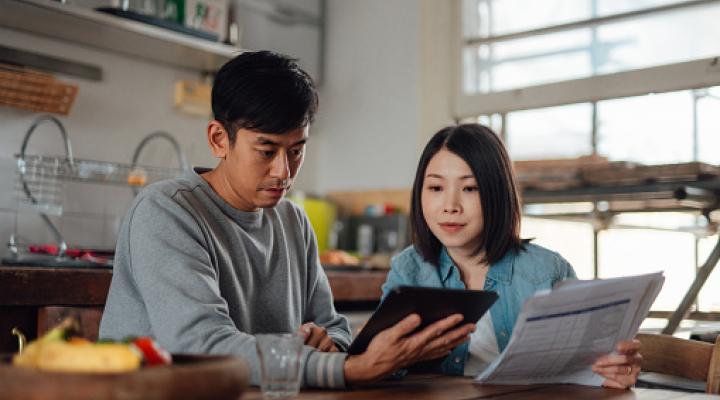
point(659, 196)
point(89, 27)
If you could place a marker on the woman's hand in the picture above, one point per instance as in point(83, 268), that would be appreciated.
point(395, 347)
point(620, 370)
point(317, 337)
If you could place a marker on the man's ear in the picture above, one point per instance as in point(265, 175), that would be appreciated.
point(218, 139)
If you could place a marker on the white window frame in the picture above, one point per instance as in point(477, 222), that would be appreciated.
point(687, 75)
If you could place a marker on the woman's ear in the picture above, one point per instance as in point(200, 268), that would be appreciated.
point(218, 139)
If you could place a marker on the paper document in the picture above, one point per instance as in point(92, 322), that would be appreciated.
point(560, 334)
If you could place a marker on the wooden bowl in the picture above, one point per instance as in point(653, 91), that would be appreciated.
point(190, 377)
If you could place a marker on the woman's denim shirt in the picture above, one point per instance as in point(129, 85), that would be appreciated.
point(516, 277)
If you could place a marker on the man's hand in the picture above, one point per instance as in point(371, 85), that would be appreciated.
point(395, 347)
point(620, 370)
point(316, 336)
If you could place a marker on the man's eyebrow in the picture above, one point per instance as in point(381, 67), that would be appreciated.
point(264, 140)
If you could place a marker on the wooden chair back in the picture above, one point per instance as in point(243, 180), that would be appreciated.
point(689, 359)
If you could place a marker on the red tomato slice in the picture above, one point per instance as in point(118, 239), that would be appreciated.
point(152, 353)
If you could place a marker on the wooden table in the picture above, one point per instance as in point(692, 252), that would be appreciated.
point(451, 388)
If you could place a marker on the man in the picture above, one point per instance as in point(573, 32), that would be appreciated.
point(207, 260)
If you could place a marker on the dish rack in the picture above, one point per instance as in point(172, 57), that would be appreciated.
point(40, 177)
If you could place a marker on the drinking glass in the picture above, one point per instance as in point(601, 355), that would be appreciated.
point(279, 356)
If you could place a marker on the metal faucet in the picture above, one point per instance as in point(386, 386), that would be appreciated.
point(62, 245)
point(160, 135)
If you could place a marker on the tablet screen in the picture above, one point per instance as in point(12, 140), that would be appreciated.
point(432, 304)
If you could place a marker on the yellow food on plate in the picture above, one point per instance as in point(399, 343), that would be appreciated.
point(79, 357)
point(54, 352)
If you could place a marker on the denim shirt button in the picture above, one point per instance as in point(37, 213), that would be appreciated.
point(457, 360)
point(503, 333)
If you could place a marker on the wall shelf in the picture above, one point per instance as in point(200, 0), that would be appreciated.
point(103, 31)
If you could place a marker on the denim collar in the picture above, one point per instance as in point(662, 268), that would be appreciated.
point(501, 271)
point(446, 265)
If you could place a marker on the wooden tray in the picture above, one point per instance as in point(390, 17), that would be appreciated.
point(27, 89)
point(621, 173)
point(556, 174)
point(190, 377)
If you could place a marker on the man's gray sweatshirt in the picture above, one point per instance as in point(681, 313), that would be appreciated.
point(203, 277)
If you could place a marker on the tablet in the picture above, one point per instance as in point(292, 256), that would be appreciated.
point(432, 304)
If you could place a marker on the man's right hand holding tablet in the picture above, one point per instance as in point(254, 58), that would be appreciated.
point(397, 347)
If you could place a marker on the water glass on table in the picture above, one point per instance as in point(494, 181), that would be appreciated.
point(279, 356)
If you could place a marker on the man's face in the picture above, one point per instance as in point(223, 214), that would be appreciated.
point(260, 167)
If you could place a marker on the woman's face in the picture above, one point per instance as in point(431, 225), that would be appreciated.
point(451, 201)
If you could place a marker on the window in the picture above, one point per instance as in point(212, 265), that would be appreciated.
point(557, 40)
point(630, 80)
point(528, 61)
point(554, 235)
point(485, 18)
point(623, 252)
point(708, 299)
point(529, 132)
point(651, 129)
point(709, 125)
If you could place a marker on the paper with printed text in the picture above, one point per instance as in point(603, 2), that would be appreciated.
point(560, 333)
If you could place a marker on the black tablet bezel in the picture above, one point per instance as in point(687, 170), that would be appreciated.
point(432, 304)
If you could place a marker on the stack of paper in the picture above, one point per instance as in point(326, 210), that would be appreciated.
point(561, 333)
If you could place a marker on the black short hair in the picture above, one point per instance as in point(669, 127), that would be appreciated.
point(484, 152)
point(263, 92)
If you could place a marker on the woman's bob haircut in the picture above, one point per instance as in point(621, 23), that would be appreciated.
point(483, 151)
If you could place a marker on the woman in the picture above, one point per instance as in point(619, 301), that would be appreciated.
point(465, 218)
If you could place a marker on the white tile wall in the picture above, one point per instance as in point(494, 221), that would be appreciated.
point(83, 198)
point(107, 122)
point(116, 199)
point(31, 228)
point(7, 182)
point(111, 227)
point(7, 226)
point(84, 231)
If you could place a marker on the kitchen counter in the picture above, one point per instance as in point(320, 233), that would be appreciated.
point(39, 286)
point(34, 298)
point(363, 285)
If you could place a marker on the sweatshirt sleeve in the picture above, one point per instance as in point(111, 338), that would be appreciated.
point(320, 308)
point(173, 271)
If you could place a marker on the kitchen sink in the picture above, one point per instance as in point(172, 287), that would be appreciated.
point(52, 262)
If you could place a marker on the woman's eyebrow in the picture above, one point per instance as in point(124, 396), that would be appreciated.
point(433, 175)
